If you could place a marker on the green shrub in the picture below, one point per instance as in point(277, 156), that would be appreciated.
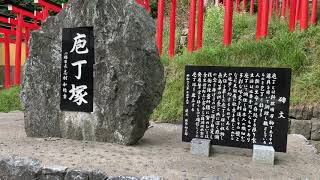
point(10, 100)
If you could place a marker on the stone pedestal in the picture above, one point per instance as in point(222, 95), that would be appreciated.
point(263, 154)
point(200, 147)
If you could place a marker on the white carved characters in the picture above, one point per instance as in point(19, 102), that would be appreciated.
point(78, 93)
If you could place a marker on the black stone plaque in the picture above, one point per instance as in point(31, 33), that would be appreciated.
point(237, 106)
point(77, 69)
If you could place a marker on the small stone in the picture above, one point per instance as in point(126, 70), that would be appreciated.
point(183, 40)
point(200, 147)
point(307, 112)
point(53, 172)
point(152, 178)
point(315, 130)
point(302, 127)
point(77, 175)
point(97, 175)
point(124, 178)
point(292, 112)
point(316, 111)
point(263, 154)
point(298, 112)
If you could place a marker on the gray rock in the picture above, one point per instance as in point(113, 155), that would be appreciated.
point(97, 175)
point(302, 127)
point(316, 111)
point(77, 175)
point(19, 168)
point(124, 178)
point(307, 112)
point(200, 147)
point(315, 130)
point(263, 154)
point(295, 112)
point(128, 74)
point(152, 178)
point(53, 172)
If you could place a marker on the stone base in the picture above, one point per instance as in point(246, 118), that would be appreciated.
point(263, 154)
point(200, 147)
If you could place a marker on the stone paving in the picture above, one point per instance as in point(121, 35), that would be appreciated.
point(160, 153)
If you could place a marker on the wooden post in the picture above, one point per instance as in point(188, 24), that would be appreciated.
point(192, 18)
point(304, 14)
point(227, 33)
point(258, 28)
point(292, 21)
point(314, 12)
point(244, 6)
point(200, 23)
point(27, 36)
point(271, 2)
point(160, 25)
point(283, 8)
point(298, 13)
point(277, 7)
point(264, 18)
point(251, 7)
point(7, 78)
point(17, 65)
point(172, 27)
point(238, 5)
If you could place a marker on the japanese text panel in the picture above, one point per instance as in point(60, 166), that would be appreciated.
point(77, 69)
point(237, 107)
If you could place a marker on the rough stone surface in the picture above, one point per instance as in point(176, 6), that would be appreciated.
point(53, 172)
point(315, 130)
point(128, 74)
point(307, 112)
point(302, 127)
point(77, 175)
point(200, 147)
point(316, 111)
point(124, 178)
point(19, 168)
point(295, 112)
point(152, 178)
point(97, 175)
point(263, 154)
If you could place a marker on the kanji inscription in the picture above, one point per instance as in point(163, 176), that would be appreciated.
point(77, 69)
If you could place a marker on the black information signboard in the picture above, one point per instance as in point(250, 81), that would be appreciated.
point(237, 106)
point(77, 69)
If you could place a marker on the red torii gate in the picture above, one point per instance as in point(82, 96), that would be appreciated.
point(6, 40)
point(145, 4)
point(46, 6)
point(19, 22)
point(20, 14)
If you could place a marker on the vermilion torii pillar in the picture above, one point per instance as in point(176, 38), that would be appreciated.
point(12, 22)
point(20, 14)
point(46, 6)
point(200, 23)
point(173, 8)
point(292, 20)
point(228, 15)
point(192, 21)
point(6, 40)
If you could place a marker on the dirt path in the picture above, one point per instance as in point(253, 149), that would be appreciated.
point(161, 153)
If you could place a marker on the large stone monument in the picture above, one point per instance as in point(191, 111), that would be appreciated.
point(128, 77)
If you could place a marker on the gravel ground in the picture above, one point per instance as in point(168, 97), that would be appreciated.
point(161, 153)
